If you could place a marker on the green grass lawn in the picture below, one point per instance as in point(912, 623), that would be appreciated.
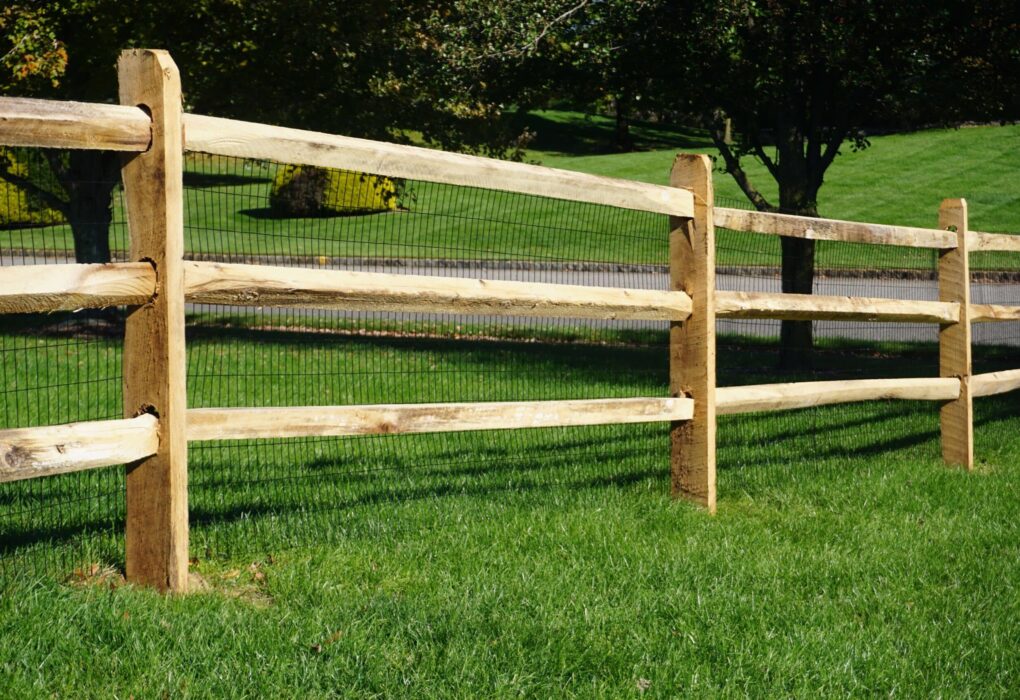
point(900, 179)
point(845, 558)
point(892, 578)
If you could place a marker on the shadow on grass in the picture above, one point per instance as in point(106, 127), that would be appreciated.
point(393, 495)
point(196, 179)
point(992, 410)
point(270, 213)
point(285, 503)
point(228, 488)
point(544, 357)
point(576, 134)
point(750, 427)
point(466, 458)
point(15, 542)
point(488, 473)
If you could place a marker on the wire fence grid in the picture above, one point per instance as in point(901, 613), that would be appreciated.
point(250, 497)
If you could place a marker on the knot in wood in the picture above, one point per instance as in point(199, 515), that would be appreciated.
point(17, 457)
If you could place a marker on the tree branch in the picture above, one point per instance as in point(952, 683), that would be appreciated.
point(734, 168)
point(832, 145)
point(762, 156)
point(532, 43)
point(832, 148)
point(57, 165)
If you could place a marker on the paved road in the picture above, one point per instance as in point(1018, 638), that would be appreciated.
point(608, 276)
point(987, 333)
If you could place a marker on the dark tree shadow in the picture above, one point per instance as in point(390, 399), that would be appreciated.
point(582, 135)
point(193, 179)
point(270, 213)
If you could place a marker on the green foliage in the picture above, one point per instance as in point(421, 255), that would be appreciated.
point(605, 53)
point(30, 52)
point(20, 206)
point(308, 191)
point(801, 80)
point(352, 68)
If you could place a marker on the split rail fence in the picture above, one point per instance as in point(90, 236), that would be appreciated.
point(152, 439)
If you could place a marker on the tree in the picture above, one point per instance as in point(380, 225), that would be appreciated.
point(357, 68)
point(32, 54)
point(81, 182)
point(800, 79)
point(614, 49)
point(524, 52)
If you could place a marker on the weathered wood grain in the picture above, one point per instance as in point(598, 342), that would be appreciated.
point(784, 397)
point(992, 383)
point(52, 124)
point(294, 287)
point(27, 453)
point(957, 417)
point(154, 360)
point(44, 288)
point(832, 229)
point(395, 419)
point(819, 307)
point(1005, 242)
point(692, 342)
point(993, 312)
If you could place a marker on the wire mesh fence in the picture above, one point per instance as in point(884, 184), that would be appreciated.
point(764, 453)
point(995, 279)
point(251, 496)
point(343, 357)
point(57, 368)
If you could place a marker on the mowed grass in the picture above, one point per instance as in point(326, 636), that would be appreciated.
point(845, 558)
point(893, 578)
point(900, 179)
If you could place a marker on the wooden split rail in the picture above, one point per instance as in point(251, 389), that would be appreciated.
point(155, 285)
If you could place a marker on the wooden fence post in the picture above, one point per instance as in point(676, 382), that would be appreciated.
point(154, 360)
point(955, 338)
point(692, 342)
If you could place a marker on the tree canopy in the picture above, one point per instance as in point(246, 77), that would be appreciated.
point(800, 80)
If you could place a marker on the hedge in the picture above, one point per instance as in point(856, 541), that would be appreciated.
point(301, 190)
point(17, 206)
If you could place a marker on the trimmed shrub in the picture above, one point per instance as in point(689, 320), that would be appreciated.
point(303, 190)
point(19, 207)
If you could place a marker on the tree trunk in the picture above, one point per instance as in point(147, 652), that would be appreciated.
point(798, 167)
point(796, 196)
point(89, 181)
point(624, 142)
point(796, 337)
